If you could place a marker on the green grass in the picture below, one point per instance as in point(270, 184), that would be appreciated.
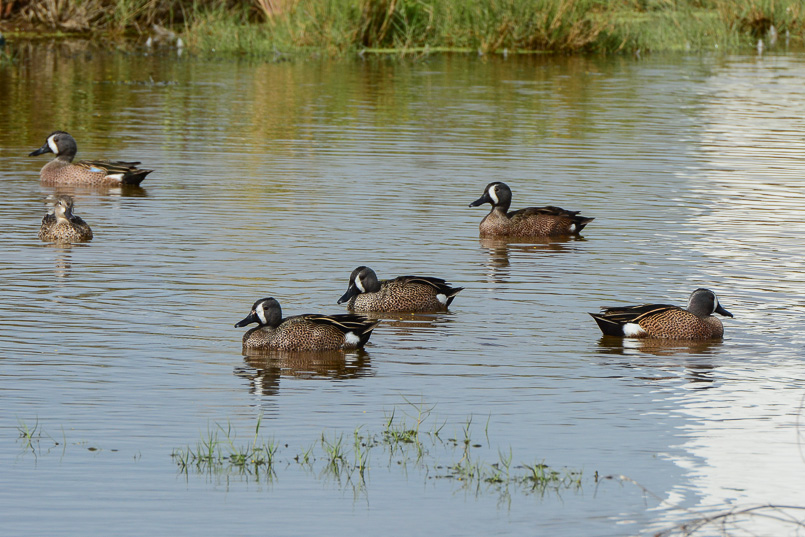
point(401, 443)
point(217, 449)
point(31, 438)
point(338, 27)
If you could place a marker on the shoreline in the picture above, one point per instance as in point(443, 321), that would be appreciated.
point(334, 28)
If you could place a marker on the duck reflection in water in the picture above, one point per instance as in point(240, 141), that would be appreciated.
point(697, 356)
point(63, 261)
point(84, 191)
point(413, 326)
point(656, 346)
point(264, 368)
point(501, 250)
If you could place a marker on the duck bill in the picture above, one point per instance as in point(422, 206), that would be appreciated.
point(44, 149)
point(721, 311)
point(352, 290)
point(251, 318)
point(480, 201)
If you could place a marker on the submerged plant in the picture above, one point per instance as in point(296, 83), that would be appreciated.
point(31, 437)
point(402, 441)
point(335, 455)
point(213, 453)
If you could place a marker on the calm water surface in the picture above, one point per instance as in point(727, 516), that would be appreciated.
point(279, 179)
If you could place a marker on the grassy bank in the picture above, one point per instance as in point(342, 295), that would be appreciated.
point(336, 27)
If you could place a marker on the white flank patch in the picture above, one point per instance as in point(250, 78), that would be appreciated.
point(441, 297)
point(52, 145)
point(358, 284)
point(115, 176)
point(572, 228)
point(261, 313)
point(493, 194)
point(351, 338)
point(633, 330)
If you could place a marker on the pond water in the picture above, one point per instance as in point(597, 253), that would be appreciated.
point(278, 179)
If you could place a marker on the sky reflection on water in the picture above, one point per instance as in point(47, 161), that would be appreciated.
point(277, 180)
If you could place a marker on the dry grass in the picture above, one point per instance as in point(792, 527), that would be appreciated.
point(264, 27)
point(757, 17)
point(67, 15)
point(274, 8)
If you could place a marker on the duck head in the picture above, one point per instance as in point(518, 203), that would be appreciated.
point(60, 144)
point(704, 302)
point(497, 193)
point(265, 312)
point(362, 280)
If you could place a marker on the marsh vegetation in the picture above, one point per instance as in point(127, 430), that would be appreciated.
point(337, 27)
point(407, 443)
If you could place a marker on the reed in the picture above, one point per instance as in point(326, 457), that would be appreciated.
point(756, 18)
point(336, 27)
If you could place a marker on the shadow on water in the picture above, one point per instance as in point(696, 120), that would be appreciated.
point(263, 369)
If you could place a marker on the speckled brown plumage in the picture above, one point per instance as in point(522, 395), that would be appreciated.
point(63, 226)
point(307, 332)
point(546, 221)
point(676, 323)
point(404, 293)
point(666, 321)
point(63, 171)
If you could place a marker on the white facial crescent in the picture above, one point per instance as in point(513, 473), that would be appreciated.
point(261, 313)
point(493, 194)
point(52, 144)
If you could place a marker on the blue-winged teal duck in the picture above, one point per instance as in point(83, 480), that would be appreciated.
point(303, 332)
point(61, 225)
point(531, 222)
point(405, 293)
point(665, 321)
point(63, 171)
